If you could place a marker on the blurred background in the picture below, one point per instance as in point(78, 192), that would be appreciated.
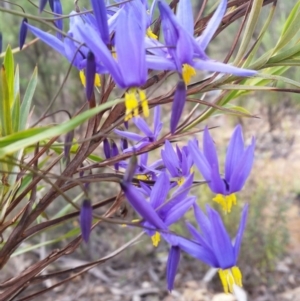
point(270, 255)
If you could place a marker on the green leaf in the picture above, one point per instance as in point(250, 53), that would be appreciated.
point(19, 136)
point(9, 69)
point(16, 82)
point(290, 28)
point(5, 114)
point(48, 133)
point(16, 113)
point(249, 29)
point(26, 103)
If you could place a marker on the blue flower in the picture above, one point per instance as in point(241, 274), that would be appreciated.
point(178, 163)
point(213, 245)
point(143, 171)
point(189, 53)
point(239, 161)
point(150, 136)
point(158, 214)
point(183, 53)
point(127, 65)
point(74, 52)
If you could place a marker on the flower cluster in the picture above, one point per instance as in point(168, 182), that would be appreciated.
point(119, 42)
point(175, 176)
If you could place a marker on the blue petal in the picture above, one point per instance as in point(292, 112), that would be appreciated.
point(184, 15)
point(143, 126)
point(179, 195)
point(172, 265)
point(242, 169)
point(184, 165)
point(143, 159)
point(217, 184)
point(204, 224)
point(196, 250)
point(70, 50)
point(97, 46)
point(170, 159)
point(197, 236)
point(221, 242)
point(100, 13)
point(200, 160)
point(142, 207)
point(178, 211)
point(129, 135)
point(240, 232)
point(130, 48)
point(209, 150)
point(155, 62)
point(146, 190)
point(157, 123)
point(160, 190)
point(57, 9)
point(212, 25)
point(177, 105)
point(214, 66)
point(234, 152)
point(49, 39)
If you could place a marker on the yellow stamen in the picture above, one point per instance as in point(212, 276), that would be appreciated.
point(226, 201)
point(133, 97)
point(155, 239)
point(180, 181)
point(97, 82)
point(142, 177)
point(144, 103)
point(150, 33)
point(229, 277)
point(187, 73)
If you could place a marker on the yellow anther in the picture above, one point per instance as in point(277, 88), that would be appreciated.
point(226, 201)
point(237, 275)
point(97, 82)
point(142, 177)
point(131, 104)
point(133, 97)
point(144, 103)
point(187, 73)
point(229, 277)
point(150, 33)
point(180, 181)
point(155, 239)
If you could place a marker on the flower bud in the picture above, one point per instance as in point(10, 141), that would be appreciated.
point(42, 4)
point(51, 4)
point(90, 75)
point(106, 148)
point(178, 105)
point(23, 33)
point(115, 152)
point(86, 218)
